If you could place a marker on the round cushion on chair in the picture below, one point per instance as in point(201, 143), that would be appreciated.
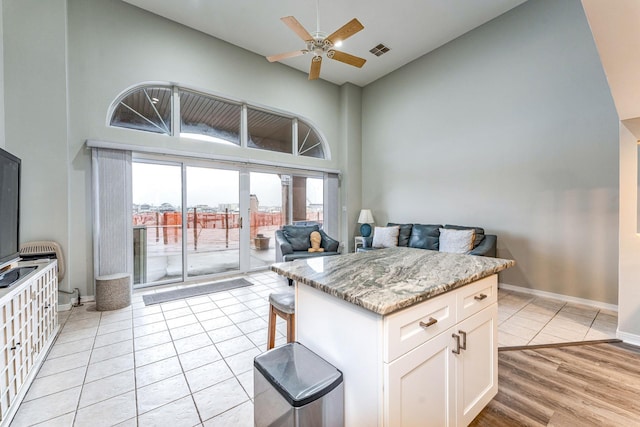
point(284, 301)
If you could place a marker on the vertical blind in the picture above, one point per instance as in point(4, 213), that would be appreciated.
point(112, 223)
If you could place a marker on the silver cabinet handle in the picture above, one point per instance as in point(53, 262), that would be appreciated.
point(480, 297)
point(431, 322)
point(457, 349)
point(464, 340)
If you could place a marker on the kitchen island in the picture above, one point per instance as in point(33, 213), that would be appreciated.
point(413, 331)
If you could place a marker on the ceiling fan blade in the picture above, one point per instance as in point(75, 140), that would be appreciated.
point(346, 31)
point(347, 58)
point(314, 72)
point(281, 56)
point(297, 28)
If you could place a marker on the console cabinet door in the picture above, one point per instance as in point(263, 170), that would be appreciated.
point(19, 340)
point(420, 386)
point(477, 366)
point(44, 309)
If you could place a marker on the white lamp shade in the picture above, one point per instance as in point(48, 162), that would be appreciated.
point(366, 217)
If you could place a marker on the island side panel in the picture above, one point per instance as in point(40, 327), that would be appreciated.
point(350, 338)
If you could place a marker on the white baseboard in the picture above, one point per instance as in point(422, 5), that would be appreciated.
point(566, 298)
point(628, 338)
point(69, 305)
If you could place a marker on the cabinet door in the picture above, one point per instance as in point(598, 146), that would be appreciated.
point(19, 358)
point(477, 366)
point(6, 372)
point(420, 385)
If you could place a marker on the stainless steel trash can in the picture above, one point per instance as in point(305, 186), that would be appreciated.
point(293, 386)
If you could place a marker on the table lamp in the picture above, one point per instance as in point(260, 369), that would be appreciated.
point(365, 219)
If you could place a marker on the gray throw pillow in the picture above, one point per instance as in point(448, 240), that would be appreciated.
point(456, 241)
point(385, 237)
point(479, 231)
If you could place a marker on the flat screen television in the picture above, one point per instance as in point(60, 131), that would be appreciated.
point(9, 208)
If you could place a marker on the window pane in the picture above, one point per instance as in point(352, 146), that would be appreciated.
point(157, 222)
point(209, 119)
point(147, 109)
point(309, 143)
point(315, 200)
point(269, 132)
point(213, 220)
point(266, 215)
point(308, 196)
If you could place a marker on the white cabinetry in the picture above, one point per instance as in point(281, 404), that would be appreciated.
point(28, 324)
point(432, 364)
point(477, 365)
point(458, 360)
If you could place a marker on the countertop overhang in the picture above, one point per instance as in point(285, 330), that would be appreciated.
point(388, 280)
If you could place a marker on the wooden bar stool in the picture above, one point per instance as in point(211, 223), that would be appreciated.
point(282, 304)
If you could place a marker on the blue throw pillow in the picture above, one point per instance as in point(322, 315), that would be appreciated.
point(425, 236)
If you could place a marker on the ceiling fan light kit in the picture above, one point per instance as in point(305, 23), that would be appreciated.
point(320, 45)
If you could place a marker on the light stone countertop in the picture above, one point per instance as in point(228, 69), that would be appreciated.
point(387, 280)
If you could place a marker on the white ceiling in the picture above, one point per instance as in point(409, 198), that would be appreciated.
point(410, 28)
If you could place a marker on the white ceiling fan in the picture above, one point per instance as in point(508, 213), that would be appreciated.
point(321, 45)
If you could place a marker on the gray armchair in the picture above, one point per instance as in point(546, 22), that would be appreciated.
point(292, 242)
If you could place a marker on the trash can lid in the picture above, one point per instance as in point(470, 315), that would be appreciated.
point(299, 375)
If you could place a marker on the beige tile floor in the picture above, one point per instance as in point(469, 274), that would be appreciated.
point(190, 362)
point(528, 320)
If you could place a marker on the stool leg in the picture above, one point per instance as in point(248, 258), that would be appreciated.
point(271, 337)
point(291, 328)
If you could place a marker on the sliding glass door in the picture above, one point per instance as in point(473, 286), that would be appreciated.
point(212, 221)
point(267, 214)
point(200, 219)
point(157, 222)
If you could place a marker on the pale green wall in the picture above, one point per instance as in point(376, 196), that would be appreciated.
point(66, 61)
point(351, 181)
point(510, 127)
point(35, 84)
point(113, 45)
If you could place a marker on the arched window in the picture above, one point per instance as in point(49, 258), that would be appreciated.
point(146, 108)
point(210, 118)
point(270, 132)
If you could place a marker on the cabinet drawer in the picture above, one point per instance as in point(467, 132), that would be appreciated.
point(408, 328)
point(476, 296)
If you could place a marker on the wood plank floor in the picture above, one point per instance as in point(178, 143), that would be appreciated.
point(577, 385)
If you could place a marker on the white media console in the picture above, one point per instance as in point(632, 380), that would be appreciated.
point(28, 327)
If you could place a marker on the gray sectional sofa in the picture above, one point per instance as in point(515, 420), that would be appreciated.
point(426, 236)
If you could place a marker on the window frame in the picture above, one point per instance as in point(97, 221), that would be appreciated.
point(176, 119)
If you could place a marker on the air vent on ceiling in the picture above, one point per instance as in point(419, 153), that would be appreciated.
point(380, 50)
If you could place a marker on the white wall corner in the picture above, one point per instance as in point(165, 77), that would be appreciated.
point(628, 338)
